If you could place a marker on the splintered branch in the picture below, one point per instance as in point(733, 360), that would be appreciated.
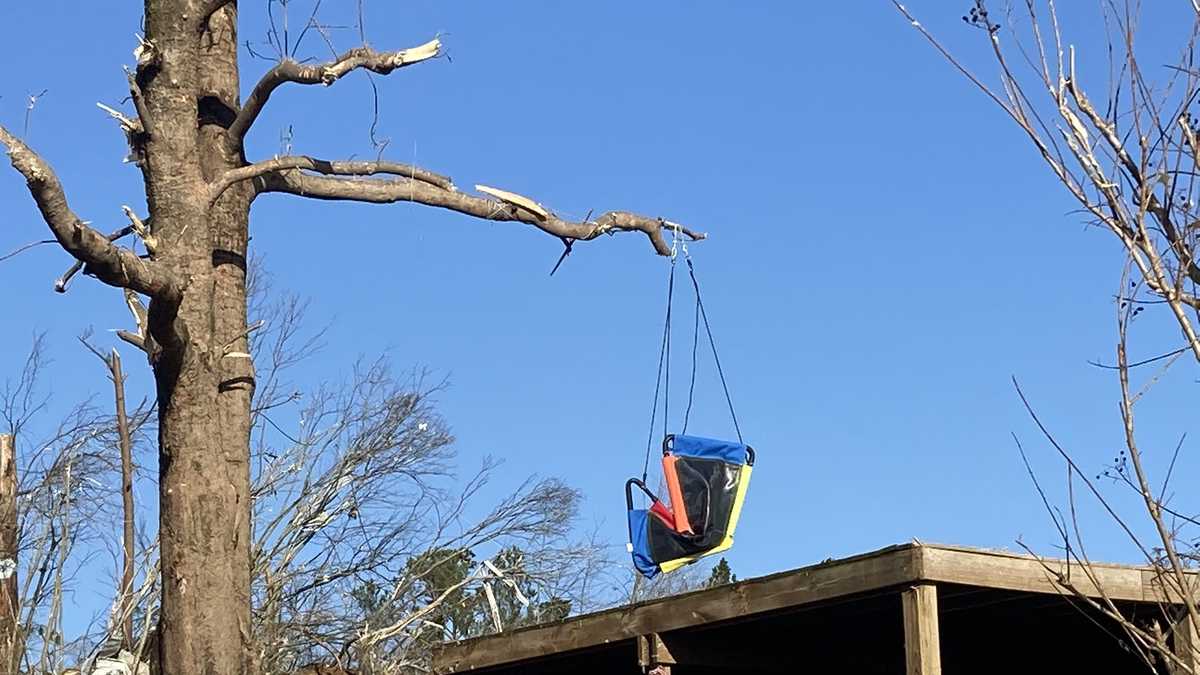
point(134, 128)
point(109, 263)
point(140, 339)
point(287, 70)
point(129, 125)
point(509, 207)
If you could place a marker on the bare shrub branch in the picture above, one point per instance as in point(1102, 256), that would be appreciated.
point(1129, 158)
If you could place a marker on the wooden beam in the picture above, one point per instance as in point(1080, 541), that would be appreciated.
point(1186, 639)
point(887, 568)
point(10, 643)
point(893, 567)
point(1159, 585)
point(922, 644)
point(1013, 572)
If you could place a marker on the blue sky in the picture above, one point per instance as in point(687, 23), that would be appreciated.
point(886, 252)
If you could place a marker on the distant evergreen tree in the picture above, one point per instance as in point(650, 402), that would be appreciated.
point(720, 575)
point(465, 611)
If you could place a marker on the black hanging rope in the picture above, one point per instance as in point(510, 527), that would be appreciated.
point(663, 359)
point(662, 382)
point(692, 385)
point(713, 344)
point(667, 367)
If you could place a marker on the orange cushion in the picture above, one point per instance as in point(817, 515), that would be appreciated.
point(676, 495)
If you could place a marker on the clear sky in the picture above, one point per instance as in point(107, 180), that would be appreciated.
point(886, 252)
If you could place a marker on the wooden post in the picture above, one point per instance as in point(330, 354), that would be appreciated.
point(1186, 647)
point(10, 647)
point(660, 652)
point(653, 655)
point(922, 646)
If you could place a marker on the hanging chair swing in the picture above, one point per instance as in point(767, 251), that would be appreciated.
point(706, 479)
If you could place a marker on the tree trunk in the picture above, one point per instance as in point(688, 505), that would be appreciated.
point(204, 383)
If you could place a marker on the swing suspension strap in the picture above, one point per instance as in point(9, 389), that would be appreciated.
point(663, 380)
point(701, 314)
point(664, 362)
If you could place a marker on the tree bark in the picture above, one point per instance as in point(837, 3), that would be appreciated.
point(189, 86)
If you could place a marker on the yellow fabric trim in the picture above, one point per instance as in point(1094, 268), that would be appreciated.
point(672, 565)
point(743, 486)
point(727, 542)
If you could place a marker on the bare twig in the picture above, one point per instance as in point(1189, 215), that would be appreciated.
point(21, 249)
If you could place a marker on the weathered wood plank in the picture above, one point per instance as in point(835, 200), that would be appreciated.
point(922, 642)
point(1161, 585)
point(892, 567)
point(1025, 573)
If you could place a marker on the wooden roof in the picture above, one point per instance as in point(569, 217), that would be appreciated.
point(889, 568)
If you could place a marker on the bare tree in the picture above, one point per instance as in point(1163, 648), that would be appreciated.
point(186, 134)
point(368, 549)
point(63, 507)
point(1127, 153)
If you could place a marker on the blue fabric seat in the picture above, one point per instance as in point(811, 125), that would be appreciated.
point(707, 480)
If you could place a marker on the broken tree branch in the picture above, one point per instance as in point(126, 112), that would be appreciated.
point(111, 264)
point(361, 58)
point(386, 191)
point(142, 229)
point(60, 285)
point(140, 339)
point(328, 168)
point(516, 200)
